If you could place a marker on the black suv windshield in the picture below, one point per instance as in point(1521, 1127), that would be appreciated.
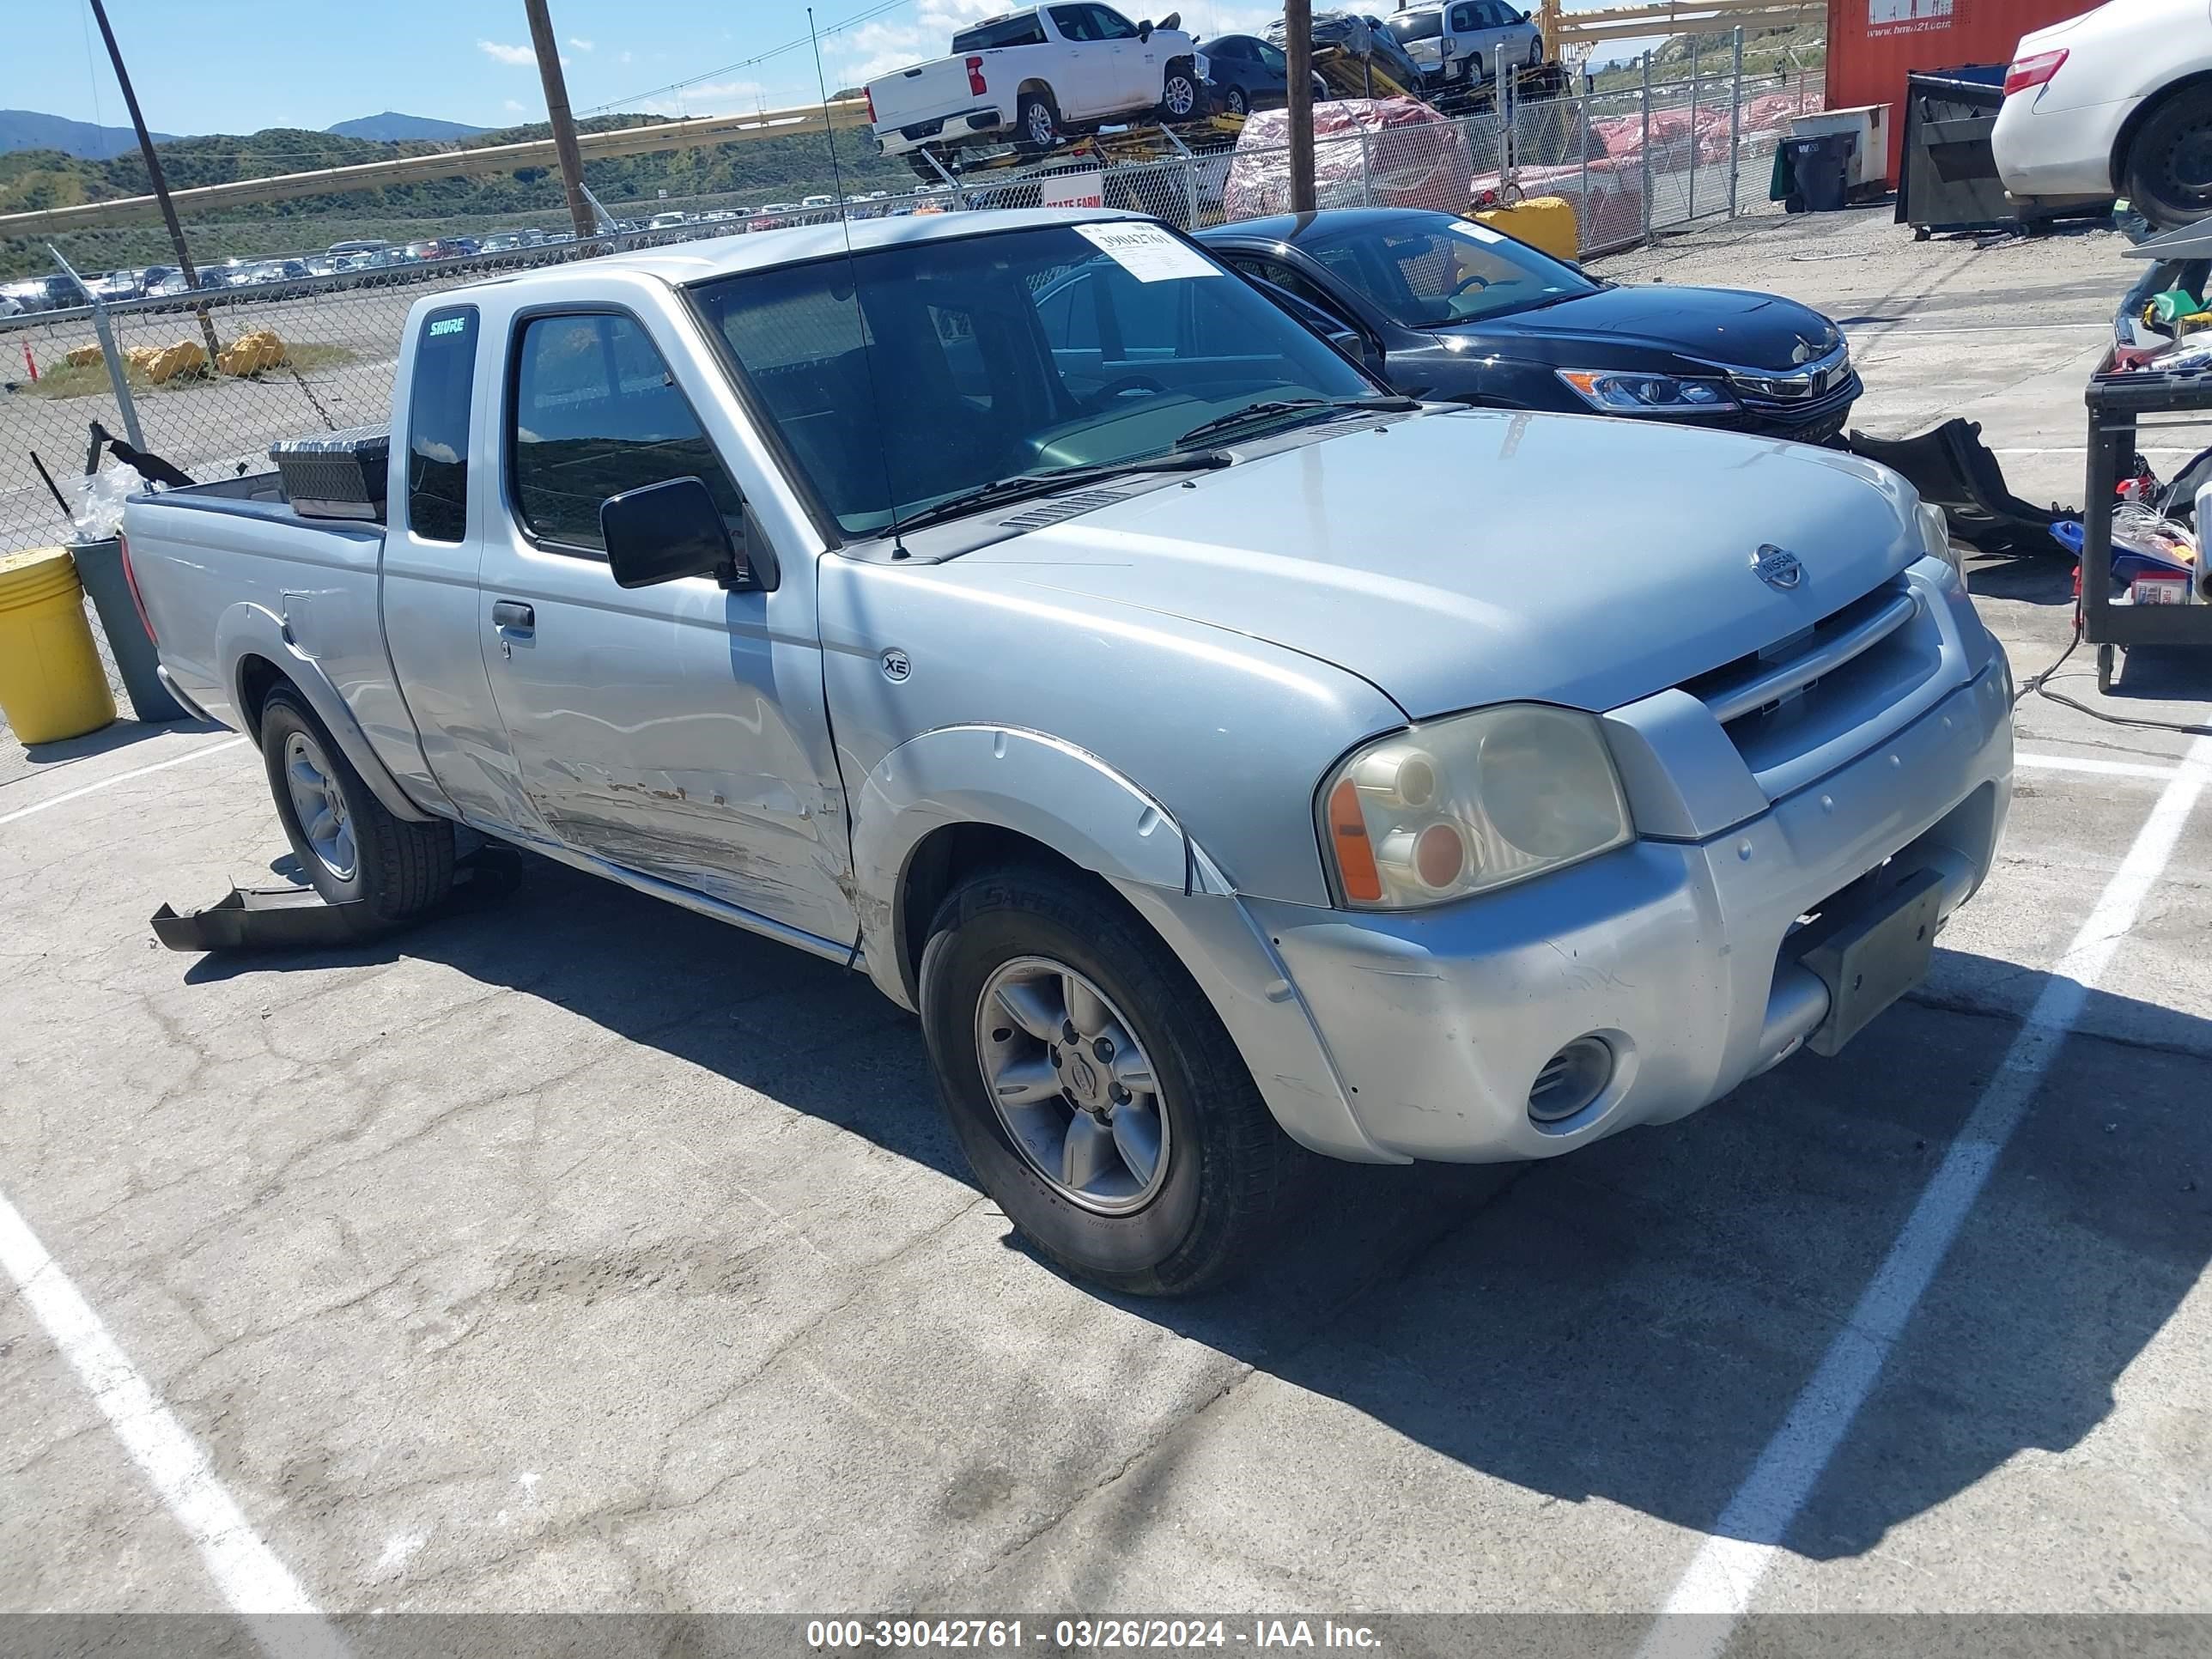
point(1431, 270)
point(911, 374)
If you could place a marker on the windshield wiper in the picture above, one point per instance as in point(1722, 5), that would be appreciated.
point(1023, 484)
point(1274, 409)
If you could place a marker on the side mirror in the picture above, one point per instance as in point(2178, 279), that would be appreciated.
point(1351, 343)
point(666, 531)
point(1145, 29)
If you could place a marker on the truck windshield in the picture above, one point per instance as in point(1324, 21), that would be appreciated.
point(913, 373)
point(1431, 270)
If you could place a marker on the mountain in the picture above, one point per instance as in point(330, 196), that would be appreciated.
point(392, 126)
point(27, 129)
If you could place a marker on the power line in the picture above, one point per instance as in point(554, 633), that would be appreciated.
point(758, 58)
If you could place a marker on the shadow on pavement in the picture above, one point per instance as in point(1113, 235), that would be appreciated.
point(1631, 1324)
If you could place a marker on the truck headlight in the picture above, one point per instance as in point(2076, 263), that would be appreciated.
point(1468, 803)
point(1935, 538)
point(1617, 393)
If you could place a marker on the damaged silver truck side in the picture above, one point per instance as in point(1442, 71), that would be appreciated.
point(1021, 607)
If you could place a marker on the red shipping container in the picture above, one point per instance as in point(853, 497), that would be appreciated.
point(1873, 44)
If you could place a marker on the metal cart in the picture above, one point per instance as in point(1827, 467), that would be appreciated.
point(2120, 407)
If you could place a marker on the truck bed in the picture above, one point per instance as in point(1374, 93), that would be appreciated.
point(205, 557)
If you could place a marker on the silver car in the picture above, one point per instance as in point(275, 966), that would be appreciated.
point(1467, 41)
point(1225, 759)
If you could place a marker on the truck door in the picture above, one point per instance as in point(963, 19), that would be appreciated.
point(1087, 77)
point(432, 548)
point(678, 731)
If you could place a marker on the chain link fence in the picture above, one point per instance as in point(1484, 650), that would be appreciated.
point(212, 378)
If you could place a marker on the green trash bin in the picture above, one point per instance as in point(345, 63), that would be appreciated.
point(99, 568)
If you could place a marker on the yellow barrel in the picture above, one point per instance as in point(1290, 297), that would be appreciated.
point(51, 683)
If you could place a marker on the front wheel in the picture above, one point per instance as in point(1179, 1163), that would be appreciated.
point(2168, 175)
point(1236, 102)
point(1179, 92)
point(352, 848)
point(1098, 1099)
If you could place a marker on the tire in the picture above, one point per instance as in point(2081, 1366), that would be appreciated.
point(1475, 69)
point(1236, 102)
point(392, 869)
point(1223, 1172)
point(1179, 86)
point(2168, 175)
point(1036, 121)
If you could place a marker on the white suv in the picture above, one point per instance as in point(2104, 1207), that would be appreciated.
point(2117, 102)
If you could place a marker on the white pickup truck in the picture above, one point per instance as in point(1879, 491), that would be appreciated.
point(1031, 78)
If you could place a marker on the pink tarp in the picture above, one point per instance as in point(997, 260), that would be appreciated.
point(1413, 158)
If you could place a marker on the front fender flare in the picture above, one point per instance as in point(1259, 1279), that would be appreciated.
point(252, 630)
point(1067, 799)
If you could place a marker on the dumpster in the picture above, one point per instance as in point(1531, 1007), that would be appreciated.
point(1947, 178)
point(1819, 172)
point(52, 685)
point(99, 568)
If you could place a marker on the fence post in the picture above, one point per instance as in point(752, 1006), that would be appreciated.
point(1735, 126)
point(109, 355)
point(1583, 218)
point(1646, 150)
point(1189, 177)
point(1692, 212)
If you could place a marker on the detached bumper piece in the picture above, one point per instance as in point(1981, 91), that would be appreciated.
point(298, 919)
point(1950, 465)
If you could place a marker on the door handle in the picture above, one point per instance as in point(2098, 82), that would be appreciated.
point(514, 614)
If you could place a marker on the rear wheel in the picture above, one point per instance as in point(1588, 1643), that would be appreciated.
point(2168, 175)
point(1038, 118)
point(352, 848)
point(1093, 1089)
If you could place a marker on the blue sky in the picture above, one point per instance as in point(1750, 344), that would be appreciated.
point(238, 66)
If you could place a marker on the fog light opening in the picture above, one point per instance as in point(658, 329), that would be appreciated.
point(1571, 1081)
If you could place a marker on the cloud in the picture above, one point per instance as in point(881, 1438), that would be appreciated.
point(624, 58)
point(877, 48)
point(515, 106)
point(515, 55)
point(582, 45)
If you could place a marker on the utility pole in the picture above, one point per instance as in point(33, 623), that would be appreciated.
point(557, 112)
point(159, 183)
point(1297, 47)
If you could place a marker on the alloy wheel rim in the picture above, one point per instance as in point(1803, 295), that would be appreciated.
point(1236, 101)
point(1181, 95)
point(1040, 125)
point(319, 806)
point(1072, 1085)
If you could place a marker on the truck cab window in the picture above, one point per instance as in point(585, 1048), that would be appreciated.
point(438, 425)
point(596, 412)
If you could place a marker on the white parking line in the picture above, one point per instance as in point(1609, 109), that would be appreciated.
point(2103, 768)
point(1717, 1589)
point(121, 777)
point(245, 1568)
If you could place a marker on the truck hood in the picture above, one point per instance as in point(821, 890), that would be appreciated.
point(1470, 556)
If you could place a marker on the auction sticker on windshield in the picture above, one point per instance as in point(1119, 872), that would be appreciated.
point(1480, 233)
point(1147, 253)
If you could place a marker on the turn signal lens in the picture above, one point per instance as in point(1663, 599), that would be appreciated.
point(1474, 802)
point(2033, 71)
point(1355, 855)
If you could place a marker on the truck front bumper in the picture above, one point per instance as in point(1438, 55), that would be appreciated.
point(1436, 1025)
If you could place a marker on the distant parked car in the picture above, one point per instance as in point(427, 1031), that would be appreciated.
point(2115, 102)
point(9, 304)
point(666, 221)
point(1360, 37)
point(1463, 42)
point(1243, 73)
point(1444, 308)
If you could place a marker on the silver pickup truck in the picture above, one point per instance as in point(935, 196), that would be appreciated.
point(1222, 756)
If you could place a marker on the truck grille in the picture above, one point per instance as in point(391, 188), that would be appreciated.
point(1804, 705)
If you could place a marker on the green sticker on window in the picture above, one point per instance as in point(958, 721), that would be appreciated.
point(449, 326)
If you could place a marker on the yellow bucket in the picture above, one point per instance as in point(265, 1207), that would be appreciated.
point(1544, 223)
point(51, 683)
